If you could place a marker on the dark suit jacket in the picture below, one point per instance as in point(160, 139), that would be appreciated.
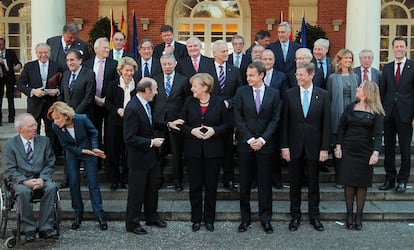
point(250, 124)
point(14, 160)
point(115, 100)
point(167, 109)
point(375, 74)
point(308, 135)
point(401, 96)
point(290, 63)
point(138, 133)
point(216, 116)
point(245, 61)
point(185, 66)
point(83, 93)
point(12, 61)
point(58, 55)
point(180, 50)
point(124, 54)
point(280, 82)
point(331, 69)
point(30, 78)
point(85, 133)
point(155, 69)
point(249, 50)
point(110, 72)
point(317, 80)
point(232, 82)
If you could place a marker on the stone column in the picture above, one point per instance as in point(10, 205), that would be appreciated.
point(48, 19)
point(363, 23)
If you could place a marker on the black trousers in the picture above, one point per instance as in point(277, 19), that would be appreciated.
point(174, 143)
point(296, 170)
point(263, 161)
point(228, 164)
point(394, 126)
point(142, 190)
point(116, 155)
point(203, 174)
point(10, 99)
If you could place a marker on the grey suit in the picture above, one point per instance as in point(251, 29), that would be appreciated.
point(375, 75)
point(18, 169)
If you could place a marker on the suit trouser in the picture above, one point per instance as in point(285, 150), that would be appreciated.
point(116, 154)
point(263, 161)
point(142, 190)
point(91, 170)
point(203, 173)
point(296, 170)
point(228, 164)
point(25, 207)
point(395, 126)
point(174, 141)
point(10, 99)
point(98, 118)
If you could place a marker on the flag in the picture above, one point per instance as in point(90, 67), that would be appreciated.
point(111, 13)
point(134, 36)
point(303, 33)
point(291, 38)
point(124, 29)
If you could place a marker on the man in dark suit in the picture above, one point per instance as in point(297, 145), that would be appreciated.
point(365, 71)
point(28, 163)
point(321, 59)
point(278, 80)
point(195, 62)
point(262, 38)
point(118, 40)
point(397, 96)
point(105, 72)
point(305, 140)
point(284, 49)
point(40, 82)
point(169, 46)
point(305, 55)
point(227, 80)
point(60, 45)
point(256, 117)
point(148, 65)
point(237, 58)
point(141, 147)
point(173, 90)
point(9, 64)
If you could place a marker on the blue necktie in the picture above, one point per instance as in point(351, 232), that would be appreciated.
point(148, 107)
point(72, 82)
point(29, 152)
point(305, 102)
point(146, 70)
point(168, 86)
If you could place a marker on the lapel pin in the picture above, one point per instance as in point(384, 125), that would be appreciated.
point(316, 97)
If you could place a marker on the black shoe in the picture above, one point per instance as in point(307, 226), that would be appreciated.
point(267, 227)
point(157, 223)
point(76, 223)
point(317, 225)
point(64, 184)
point(324, 168)
point(210, 227)
point(123, 185)
point(196, 227)
point(160, 183)
point(339, 186)
point(401, 187)
point(138, 230)
point(178, 186)
point(278, 185)
point(230, 185)
point(243, 227)
point(349, 221)
point(358, 222)
point(254, 184)
point(30, 236)
point(103, 225)
point(114, 186)
point(294, 224)
point(47, 234)
point(387, 185)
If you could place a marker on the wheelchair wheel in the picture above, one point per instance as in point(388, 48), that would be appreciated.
point(56, 208)
point(10, 242)
point(4, 209)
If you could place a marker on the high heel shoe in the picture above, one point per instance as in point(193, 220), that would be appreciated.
point(358, 222)
point(349, 221)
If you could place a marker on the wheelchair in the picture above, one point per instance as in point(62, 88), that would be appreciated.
point(7, 202)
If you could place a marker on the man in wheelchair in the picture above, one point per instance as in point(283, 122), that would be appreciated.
point(28, 163)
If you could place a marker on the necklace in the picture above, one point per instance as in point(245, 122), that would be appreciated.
point(204, 103)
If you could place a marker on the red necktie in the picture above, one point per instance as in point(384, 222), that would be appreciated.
point(365, 75)
point(398, 73)
point(195, 64)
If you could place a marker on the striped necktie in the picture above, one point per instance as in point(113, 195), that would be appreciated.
point(168, 86)
point(222, 77)
point(29, 152)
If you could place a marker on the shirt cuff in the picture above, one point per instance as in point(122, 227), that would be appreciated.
point(250, 140)
point(262, 140)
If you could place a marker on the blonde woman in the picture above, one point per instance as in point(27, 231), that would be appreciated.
point(358, 144)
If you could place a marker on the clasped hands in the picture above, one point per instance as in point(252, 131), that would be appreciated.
point(40, 92)
point(35, 183)
point(203, 132)
point(95, 152)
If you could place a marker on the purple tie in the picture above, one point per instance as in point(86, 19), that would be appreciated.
point(221, 77)
point(99, 78)
point(257, 100)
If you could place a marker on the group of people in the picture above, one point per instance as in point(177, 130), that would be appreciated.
point(280, 102)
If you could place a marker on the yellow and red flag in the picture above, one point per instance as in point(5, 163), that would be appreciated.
point(291, 37)
point(111, 13)
point(124, 29)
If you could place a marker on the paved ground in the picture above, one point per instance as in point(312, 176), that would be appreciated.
point(178, 235)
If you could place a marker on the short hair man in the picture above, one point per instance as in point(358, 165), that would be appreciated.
point(118, 40)
point(195, 62)
point(321, 59)
point(168, 45)
point(305, 55)
point(257, 51)
point(365, 71)
point(148, 65)
point(262, 38)
point(237, 58)
point(28, 162)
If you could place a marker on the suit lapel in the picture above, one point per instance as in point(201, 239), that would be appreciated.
point(20, 146)
point(407, 67)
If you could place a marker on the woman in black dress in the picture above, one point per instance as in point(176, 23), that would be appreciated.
point(358, 144)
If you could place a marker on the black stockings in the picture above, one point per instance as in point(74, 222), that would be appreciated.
point(361, 194)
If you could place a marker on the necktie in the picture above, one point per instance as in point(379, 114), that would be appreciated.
point(237, 63)
point(117, 55)
point(267, 79)
point(285, 50)
point(146, 70)
point(29, 152)
point(365, 78)
point(72, 82)
point(305, 102)
point(195, 64)
point(398, 73)
point(147, 106)
point(66, 49)
point(168, 45)
point(99, 78)
point(321, 67)
point(222, 78)
point(168, 86)
point(257, 100)
point(43, 74)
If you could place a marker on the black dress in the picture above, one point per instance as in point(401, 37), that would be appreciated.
point(359, 133)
